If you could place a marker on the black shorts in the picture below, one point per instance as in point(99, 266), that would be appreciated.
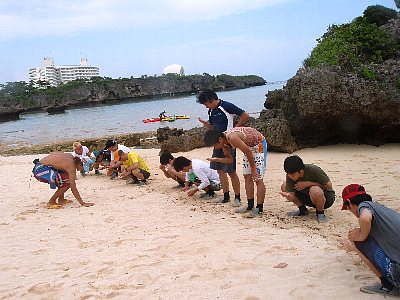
point(226, 168)
point(306, 200)
point(145, 174)
point(181, 183)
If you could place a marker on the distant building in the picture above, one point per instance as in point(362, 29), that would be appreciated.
point(174, 69)
point(55, 75)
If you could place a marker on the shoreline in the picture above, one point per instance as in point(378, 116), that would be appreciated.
point(66, 145)
point(143, 140)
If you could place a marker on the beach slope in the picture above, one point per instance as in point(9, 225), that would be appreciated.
point(154, 242)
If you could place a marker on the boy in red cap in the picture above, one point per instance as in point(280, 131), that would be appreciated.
point(376, 241)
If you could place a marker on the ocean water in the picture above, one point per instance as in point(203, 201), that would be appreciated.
point(125, 117)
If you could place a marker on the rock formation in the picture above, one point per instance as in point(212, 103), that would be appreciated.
point(327, 105)
point(9, 113)
point(130, 140)
point(324, 106)
point(106, 90)
point(173, 140)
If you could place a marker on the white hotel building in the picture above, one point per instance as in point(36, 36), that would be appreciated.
point(55, 75)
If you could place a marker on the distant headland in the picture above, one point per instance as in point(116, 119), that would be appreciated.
point(18, 97)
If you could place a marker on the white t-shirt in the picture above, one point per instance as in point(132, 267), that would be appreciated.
point(125, 149)
point(203, 172)
point(84, 156)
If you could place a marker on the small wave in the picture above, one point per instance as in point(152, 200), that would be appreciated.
point(15, 131)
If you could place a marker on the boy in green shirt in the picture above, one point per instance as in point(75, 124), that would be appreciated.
point(307, 185)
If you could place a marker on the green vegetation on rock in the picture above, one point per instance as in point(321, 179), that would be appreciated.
point(26, 96)
point(351, 45)
point(368, 74)
point(379, 15)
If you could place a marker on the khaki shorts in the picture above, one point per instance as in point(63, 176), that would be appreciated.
point(260, 155)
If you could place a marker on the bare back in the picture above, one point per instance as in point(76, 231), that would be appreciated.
point(62, 161)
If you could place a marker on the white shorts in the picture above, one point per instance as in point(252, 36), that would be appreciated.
point(260, 158)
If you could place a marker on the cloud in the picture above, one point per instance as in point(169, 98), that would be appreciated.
point(36, 18)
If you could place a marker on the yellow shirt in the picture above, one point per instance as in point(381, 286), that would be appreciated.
point(133, 157)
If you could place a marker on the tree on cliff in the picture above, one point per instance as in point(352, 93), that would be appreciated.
point(397, 3)
point(13, 93)
point(379, 15)
point(351, 45)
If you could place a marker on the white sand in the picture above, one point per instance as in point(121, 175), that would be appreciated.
point(154, 242)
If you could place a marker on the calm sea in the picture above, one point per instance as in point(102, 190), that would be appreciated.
point(126, 117)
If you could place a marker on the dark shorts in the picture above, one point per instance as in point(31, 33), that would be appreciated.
point(181, 182)
point(145, 174)
point(306, 200)
point(375, 254)
point(226, 168)
point(192, 181)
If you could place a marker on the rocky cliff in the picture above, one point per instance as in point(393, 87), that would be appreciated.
point(104, 90)
point(328, 105)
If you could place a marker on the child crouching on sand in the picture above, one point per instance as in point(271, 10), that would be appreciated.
point(133, 166)
point(209, 179)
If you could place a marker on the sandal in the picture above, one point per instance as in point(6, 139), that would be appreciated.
point(53, 206)
point(380, 289)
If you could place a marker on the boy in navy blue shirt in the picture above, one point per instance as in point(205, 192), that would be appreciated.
point(220, 117)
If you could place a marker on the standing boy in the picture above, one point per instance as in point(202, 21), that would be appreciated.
point(220, 118)
point(254, 147)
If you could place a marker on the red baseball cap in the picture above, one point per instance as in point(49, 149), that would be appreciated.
point(349, 192)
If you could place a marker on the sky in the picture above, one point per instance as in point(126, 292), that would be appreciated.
point(125, 38)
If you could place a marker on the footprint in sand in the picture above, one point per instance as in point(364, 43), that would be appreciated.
point(101, 273)
point(109, 220)
point(46, 288)
point(29, 211)
point(364, 277)
point(194, 276)
point(113, 295)
point(90, 296)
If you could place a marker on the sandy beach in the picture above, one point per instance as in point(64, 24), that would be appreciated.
point(154, 242)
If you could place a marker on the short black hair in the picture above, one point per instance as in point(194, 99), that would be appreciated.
point(165, 157)
point(212, 136)
point(110, 143)
point(180, 162)
point(205, 96)
point(103, 155)
point(293, 164)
